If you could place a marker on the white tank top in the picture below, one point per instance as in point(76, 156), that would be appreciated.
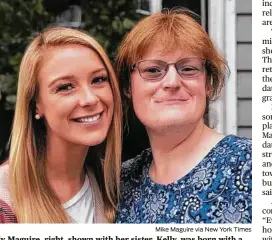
point(81, 207)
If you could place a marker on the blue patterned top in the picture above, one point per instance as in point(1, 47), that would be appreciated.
point(217, 190)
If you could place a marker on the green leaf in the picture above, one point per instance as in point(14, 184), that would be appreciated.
point(104, 17)
point(39, 7)
point(115, 25)
point(127, 23)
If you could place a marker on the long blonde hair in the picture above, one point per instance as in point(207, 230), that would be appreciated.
point(34, 201)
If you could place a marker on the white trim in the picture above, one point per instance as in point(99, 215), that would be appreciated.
point(142, 12)
point(216, 31)
point(231, 83)
point(203, 13)
point(155, 6)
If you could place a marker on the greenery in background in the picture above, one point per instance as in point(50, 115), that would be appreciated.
point(106, 20)
point(19, 21)
point(109, 20)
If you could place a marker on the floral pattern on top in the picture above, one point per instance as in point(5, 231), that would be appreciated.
point(217, 190)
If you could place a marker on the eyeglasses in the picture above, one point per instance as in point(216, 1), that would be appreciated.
point(156, 69)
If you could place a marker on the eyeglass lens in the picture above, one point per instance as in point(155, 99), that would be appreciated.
point(157, 69)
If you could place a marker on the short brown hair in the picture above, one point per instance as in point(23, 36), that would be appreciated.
point(175, 28)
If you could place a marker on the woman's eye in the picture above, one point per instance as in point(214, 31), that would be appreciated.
point(188, 69)
point(152, 70)
point(101, 79)
point(65, 87)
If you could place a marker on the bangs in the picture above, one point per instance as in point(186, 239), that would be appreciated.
point(171, 34)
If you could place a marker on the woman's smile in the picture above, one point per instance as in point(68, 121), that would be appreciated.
point(90, 120)
point(170, 101)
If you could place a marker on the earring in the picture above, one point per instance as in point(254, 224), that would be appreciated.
point(37, 116)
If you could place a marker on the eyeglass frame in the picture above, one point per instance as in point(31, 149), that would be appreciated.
point(205, 66)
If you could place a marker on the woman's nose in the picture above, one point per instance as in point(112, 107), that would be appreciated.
point(88, 97)
point(172, 79)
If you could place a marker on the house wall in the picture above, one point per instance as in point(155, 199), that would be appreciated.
point(244, 66)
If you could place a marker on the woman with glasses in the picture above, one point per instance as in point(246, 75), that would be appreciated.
point(170, 69)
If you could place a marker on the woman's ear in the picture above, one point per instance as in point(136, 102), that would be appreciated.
point(127, 92)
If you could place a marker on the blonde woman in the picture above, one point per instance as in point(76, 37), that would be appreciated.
point(68, 103)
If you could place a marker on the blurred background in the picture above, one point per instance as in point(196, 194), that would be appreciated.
point(228, 23)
